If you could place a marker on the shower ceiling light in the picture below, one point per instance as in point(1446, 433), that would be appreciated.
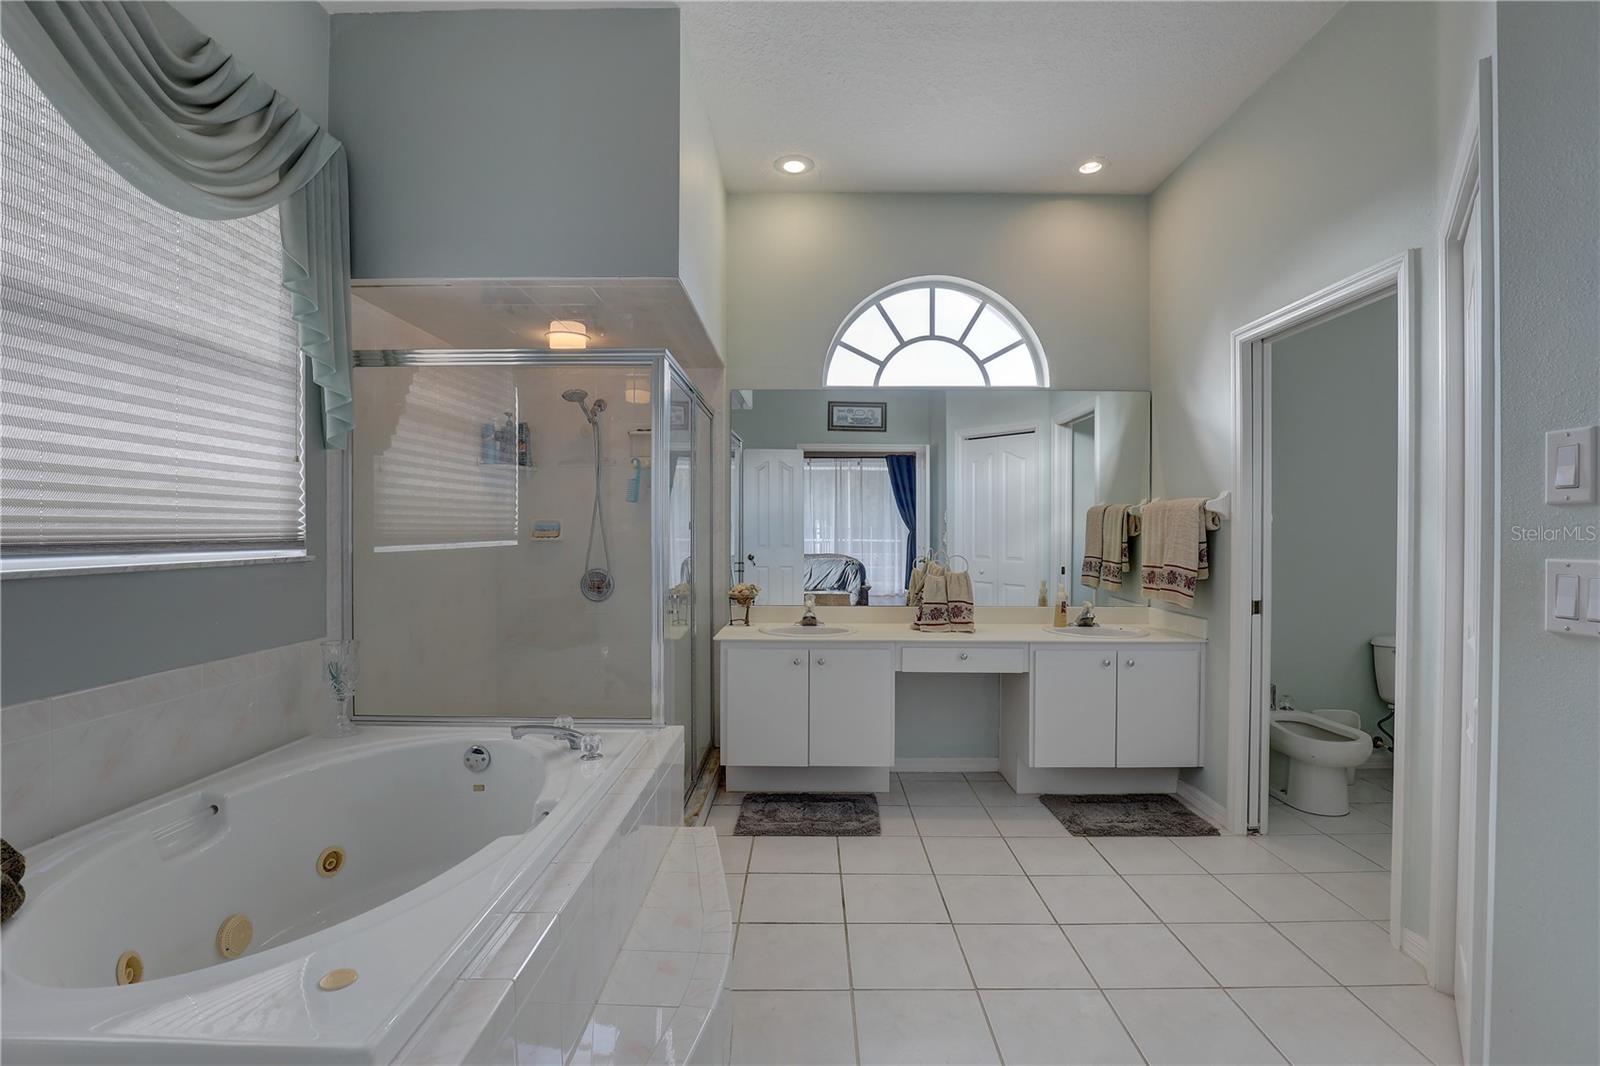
point(567, 335)
point(1091, 166)
point(793, 164)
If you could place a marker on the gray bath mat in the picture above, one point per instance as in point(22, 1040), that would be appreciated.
point(808, 814)
point(1137, 814)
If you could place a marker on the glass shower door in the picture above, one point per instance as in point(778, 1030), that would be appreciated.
point(687, 621)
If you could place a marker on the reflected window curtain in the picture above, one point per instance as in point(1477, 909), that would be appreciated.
point(903, 480)
point(443, 481)
point(851, 510)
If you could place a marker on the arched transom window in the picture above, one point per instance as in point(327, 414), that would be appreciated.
point(935, 332)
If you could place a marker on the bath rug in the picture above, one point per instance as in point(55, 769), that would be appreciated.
point(1137, 814)
point(808, 814)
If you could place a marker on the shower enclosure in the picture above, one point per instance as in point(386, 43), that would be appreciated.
point(530, 538)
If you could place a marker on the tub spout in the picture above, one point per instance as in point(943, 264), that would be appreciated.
point(588, 743)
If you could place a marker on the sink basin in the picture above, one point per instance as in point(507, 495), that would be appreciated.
point(805, 631)
point(1097, 632)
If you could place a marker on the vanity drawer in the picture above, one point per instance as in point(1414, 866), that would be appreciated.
point(970, 660)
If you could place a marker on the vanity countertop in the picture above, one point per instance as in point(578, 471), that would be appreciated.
point(987, 633)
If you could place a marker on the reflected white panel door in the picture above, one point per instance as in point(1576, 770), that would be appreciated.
point(774, 520)
point(998, 518)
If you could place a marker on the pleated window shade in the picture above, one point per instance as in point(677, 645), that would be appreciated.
point(150, 382)
point(440, 482)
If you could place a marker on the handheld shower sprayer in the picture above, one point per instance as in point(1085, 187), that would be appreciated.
point(596, 583)
point(581, 398)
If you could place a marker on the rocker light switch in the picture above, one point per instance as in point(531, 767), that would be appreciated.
point(1569, 465)
point(1572, 597)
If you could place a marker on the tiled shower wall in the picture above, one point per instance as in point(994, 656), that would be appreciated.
point(70, 759)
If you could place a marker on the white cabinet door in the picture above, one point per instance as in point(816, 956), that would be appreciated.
point(852, 707)
point(1158, 706)
point(766, 713)
point(774, 523)
point(1075, 707)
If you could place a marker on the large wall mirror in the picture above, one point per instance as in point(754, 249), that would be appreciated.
point(836, 491)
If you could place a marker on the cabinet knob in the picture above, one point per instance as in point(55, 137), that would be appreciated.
point(819, 662)
point(1130, 662)
point(797, 660)
point(1105, 662)
point(963, 655)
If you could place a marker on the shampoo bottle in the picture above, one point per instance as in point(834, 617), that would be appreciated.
point(1061, 600)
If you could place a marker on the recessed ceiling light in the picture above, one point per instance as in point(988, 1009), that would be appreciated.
point(793, 164)
point(1091, 166)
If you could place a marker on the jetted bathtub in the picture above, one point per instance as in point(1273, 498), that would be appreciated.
point(428, 855)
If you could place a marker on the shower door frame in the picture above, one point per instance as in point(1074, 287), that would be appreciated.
point(661, 364)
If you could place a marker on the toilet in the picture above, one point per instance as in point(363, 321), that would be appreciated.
point(1322, 753)
point(1383, 674)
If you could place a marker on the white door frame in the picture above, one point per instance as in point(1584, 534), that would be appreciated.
point(1063, 531)
point(1470, 197)
point(1248, 630)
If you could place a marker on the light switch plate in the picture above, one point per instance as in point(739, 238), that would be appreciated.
point(1561, 596)
point(1558, 462)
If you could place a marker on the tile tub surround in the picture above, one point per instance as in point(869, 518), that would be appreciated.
point(1005, 946)
point(618, 951)
point(70, 759)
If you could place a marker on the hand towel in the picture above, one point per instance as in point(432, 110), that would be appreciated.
point(1114, 545)
point(1093, 546)
point(933, 615)
point(958, 590)
point(12, 864)
point(11, 897)
point(1175, 554)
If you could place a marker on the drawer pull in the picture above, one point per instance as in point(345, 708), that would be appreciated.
point(1130, 662)
point(963, 656)
point(1105, 662)
point(797, 660)
point(820, 662)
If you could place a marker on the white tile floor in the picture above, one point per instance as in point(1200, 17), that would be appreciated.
point(977, 931)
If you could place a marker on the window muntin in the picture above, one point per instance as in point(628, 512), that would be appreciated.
point(935, 332)
point(150, 378)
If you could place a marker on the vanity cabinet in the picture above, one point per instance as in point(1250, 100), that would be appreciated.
point(1121, 706)
point(823, 705)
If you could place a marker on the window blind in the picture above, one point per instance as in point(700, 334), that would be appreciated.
point(448, 477)
point(149, 368)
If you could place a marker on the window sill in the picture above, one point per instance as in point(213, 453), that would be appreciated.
point(19, 567)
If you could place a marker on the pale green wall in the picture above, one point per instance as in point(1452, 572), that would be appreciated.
point(1334, 441)
point(510, 143)
point(1076, 267)
point(1545, 976)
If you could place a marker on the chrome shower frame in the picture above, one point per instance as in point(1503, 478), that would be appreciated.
point(667, 375)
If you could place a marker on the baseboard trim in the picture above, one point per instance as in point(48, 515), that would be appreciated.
point(1203, 805)
point(962, 765)
point(1415, 946)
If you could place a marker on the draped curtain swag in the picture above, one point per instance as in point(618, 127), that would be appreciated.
point(171, 111)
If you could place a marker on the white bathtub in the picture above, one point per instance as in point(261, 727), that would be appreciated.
point(434, 856)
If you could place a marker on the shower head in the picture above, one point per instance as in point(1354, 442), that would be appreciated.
point(580, 397)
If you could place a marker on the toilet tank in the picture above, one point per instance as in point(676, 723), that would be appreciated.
point(1383, 667)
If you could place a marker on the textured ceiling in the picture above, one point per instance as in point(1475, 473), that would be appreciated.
point(978, 97)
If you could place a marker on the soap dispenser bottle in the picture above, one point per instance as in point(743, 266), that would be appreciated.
point(1061, 600)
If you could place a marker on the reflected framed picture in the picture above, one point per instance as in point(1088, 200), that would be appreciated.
point(859, 417)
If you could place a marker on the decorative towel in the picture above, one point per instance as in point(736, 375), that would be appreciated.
point(919, 578)
point(1093, 545)
point(933, 609)
point(11, 897)
point(958, 590)
point(12, 864)
point(1176, 555)
point(1114, 545)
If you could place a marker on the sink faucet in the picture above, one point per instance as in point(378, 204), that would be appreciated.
point(566, 729)
point(1084, 617)
point(809, 616)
